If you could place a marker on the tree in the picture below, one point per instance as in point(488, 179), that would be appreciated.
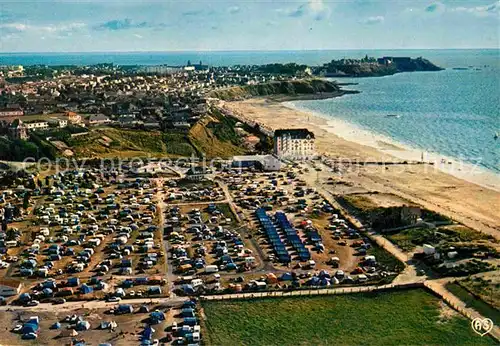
point(26, 200)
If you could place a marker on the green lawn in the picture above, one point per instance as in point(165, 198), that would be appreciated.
point(391, 318)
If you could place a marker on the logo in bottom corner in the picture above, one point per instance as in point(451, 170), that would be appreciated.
point(482, 326)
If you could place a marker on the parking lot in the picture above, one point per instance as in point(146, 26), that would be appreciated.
point(82, 232)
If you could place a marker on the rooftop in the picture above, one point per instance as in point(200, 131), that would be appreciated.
point(298, 133)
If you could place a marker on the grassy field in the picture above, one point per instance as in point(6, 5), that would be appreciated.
point(487, 288)
point(385, 259)
point(397, 318)
point(408, 239)
point(212, 138)
point(477, 304)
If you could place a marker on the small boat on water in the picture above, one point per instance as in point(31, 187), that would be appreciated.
point(496, 135)
point(393, 116)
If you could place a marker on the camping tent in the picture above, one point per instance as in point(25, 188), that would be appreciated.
point(286, 277)
point(188, 289)
point(271, 278)
point(147, 333)
point(83, 325)
point(156, 316)
point(86, 289)
point(29, 328)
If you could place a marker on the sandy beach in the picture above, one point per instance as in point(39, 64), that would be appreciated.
point(465, 193)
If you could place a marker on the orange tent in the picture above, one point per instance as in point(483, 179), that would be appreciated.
point(271, 278)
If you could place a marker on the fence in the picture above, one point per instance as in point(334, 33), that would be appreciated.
point(459, 306)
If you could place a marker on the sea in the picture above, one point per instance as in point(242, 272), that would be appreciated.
point(454, 112)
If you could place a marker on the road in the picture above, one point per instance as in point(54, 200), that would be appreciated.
point(94, 304)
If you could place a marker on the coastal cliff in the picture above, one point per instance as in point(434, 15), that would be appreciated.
point(303, 89)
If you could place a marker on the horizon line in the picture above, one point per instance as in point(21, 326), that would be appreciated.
point(241, 50)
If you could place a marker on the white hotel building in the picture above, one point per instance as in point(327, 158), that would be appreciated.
point(37, 125)
point(294, 144)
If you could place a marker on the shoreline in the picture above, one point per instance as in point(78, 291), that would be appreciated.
point(469, 203)
point(449, 165)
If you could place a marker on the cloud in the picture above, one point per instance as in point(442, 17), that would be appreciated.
point(12, 28)
point(233, 9)
point(373, 20)
point(126, 24)
point(313, 8)
point(435, 8)
point(120, 24)
point(64, 29)
point(480, 11)
point(192, 13)
point(298, 12)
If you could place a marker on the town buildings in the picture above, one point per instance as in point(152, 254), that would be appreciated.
point(57, 122)
point(98, 119)
point(294, 144)
point(198, 173)
point(263, 162)
point(73, 117)
point(18, 130)
point(11, 112)
point(36, 125)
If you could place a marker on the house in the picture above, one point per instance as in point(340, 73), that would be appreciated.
point(74, 118)
point(18, 130)
point(11, 112)
point(56, 122)
point(198, 173)
point(98, 119)
point(128, 120)
point(9, 287)
point(183, 125)
point(264, 162)
point(37, 125)
point(294, 144)
point(153, 167)
point(151, 123)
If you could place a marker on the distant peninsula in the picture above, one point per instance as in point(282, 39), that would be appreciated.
point(371, 67)
point(303, 89)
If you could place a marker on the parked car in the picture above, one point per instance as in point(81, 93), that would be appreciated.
point(32, 303)
point(113, 299)
point(57, 301)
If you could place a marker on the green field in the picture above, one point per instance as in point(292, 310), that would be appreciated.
point(411, 317)
point(477, 304)
point(408, 239)
point(385, 259)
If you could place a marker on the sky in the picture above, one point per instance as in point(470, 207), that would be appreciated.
point(163, 25)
